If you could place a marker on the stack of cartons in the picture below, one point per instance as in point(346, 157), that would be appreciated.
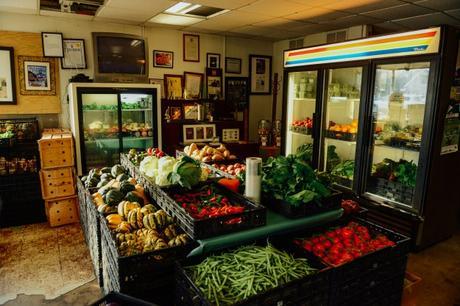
point(57, 176)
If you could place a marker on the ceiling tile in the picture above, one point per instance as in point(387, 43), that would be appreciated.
point(398, 12)
point(275, 8)
point(124, 14)
point(427, 21)
point(19, 6)
point(441, 5)
point(454, 13)
point(316, 15)
point(317, 3)
point(360, 6)
point(231, 20)
point(225, 4)
point(65, 15)
point(193, 28)
point(281, 23)
point(265, 32)
point(388, 26)
point(152, 6)
point(350, 21)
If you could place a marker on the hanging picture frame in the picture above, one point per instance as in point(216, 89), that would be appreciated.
point(233, 65)
point(163, 59)
point(37, 76)
point(52, 44)
point(237, 92)
point(198, 132)
point(260, 71)
point(193, 85)
point(160, 82)
point(74, 54)
point(214, 83)
point(7, 77)
point(173, 86)
point(212, 60)
point(191, 48)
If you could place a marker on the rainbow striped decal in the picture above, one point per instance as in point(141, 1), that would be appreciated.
point(402, 44)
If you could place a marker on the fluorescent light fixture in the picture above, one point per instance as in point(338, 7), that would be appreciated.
point(175, 19)
point(219, 13)
point(178, 7)
point(190, 8)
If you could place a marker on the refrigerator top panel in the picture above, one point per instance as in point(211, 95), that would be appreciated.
point(419, 42)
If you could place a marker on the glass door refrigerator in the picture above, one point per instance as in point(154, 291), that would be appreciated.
point(378, 132)
point(107, 119)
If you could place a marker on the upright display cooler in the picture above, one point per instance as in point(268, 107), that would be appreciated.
point(372, 112)
point(107, 119)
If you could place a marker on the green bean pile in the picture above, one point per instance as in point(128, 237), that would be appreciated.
point(231, 277)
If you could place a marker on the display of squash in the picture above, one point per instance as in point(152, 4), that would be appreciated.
point(113, 197)
point(132, 196)
point(135, 218)
point(126, 187)
point(124, 207)
point(117, 170)
point(114, 220)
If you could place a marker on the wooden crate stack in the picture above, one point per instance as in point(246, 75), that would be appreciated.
point(57, 176)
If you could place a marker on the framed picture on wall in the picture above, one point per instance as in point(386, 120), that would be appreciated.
point(193, 85)
point(214, 83)
point(52, 44)
point(237, 92)
point(37, 76)
point(191, 48)
point(191, 112)
point(160, 82)
point(260, 70)
point(7, 78)
point(163, 59)
point(175, 113)
point(212, 60)
point(74, 54)
point(233, 65)
point(173, 86)
point(199, 132)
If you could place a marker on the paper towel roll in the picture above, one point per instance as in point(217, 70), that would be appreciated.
point(253, 178)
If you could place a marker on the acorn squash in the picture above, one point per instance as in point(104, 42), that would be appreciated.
point(113, 197)
point(126, 187)
point(117, 170)
point(132, 197)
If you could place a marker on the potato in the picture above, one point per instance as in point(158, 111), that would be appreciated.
point(232, 157)
point(202, 153)
point(230, 167)
point(193, 147)
point(226, 153)
point(187, 150)
point(221, 148)
point(210, 151)
point(206, 159)
point(217, 157)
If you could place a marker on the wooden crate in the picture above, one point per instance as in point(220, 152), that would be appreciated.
point(62, 211)
point(57, 183)
point(56, 150)
point(56, 131)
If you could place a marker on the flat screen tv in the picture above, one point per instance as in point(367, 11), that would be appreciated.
point(120, 58)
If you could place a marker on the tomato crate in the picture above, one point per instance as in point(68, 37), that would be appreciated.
point(56, 150)
point(253, 216)
point(57, 182)
point(120, 299)
point(61, 211)
point(312, 290)
point(149, 275)
point(332, 202)
point(217, 171)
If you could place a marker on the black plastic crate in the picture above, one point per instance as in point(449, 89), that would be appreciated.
point(392, 190)
point(254, 215)
point(24, 129)
point(7, 142)
point(332, 202)
point(341, 135)
point(301, 129)
point(312, 290)
point(149, 276)
point(120, 299)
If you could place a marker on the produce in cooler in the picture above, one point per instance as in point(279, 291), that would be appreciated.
point(409, 137)
point(136, 156)
point(302, 126)
point(232, 169)
point(245, 272)
point(404, 172)
point(209, 154)
point(208, 202)
point(343, 131)
point(340, 245)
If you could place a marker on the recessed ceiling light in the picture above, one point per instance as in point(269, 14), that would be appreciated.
point(179, 7)
point(194, 10)
point(190, 8)
point(175, 19)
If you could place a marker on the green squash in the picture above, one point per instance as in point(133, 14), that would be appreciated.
point(131, 197)
point(84, 178)
point(91, 182)
point(102, 183)
point(106, 170)
point(126, 187)
point(117, 170)
point(106, 176)
point(113, 197)
point(123, 177)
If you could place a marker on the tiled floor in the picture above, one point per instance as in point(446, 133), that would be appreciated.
point(43, 265)
point(39, 260)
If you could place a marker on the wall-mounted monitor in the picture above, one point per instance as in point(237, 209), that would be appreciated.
point(120, 58)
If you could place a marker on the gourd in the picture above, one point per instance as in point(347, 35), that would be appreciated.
point(133, 197)
point(156, 220)
point(106, 170)
point(122, 177)
point(106, 176)
point(124, 207)
point(124, 227)
point(126, 187)
point(102, 183)
point(113, 197)
point(170, 232)
point(114, 220)
point(135, 217)
point(178, 240)
point(106, 209)
point(147, 209)
point(117, 170)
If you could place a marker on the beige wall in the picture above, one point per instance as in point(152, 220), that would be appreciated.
point(158, 38)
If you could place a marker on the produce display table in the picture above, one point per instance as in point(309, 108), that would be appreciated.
point(276, 225)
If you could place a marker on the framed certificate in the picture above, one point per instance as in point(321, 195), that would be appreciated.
point(52, 44)
point(74, 54)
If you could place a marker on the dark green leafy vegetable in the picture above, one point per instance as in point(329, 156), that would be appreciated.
point(404, 172)
point(332, 158)
point(305, 152)
point(344, 169)
point(291, 179)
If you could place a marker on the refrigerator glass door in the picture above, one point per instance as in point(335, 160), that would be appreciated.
point(340, 126)
point(301, 105)
point(137, 121)
point(400, 94)
point(100, 129)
